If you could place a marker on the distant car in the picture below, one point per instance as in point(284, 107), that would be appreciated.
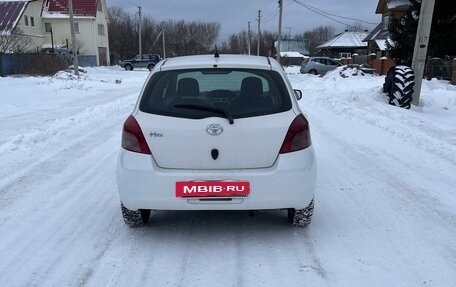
point(318, 65)
point(217, 132)
point(141, 61)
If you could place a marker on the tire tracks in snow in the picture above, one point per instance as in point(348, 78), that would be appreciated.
point(58, 210)
point(368, 193)
point(33, 196)
point(30, 155)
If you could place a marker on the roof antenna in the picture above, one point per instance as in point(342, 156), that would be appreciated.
point(216, 52)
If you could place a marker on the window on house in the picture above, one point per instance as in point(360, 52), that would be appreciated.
point(26, 20)
point(386, 22)
point(345, 55)
point(76, 27)
point(32, 21)
point(47, 27)
point(101, 30)
point(100, 7)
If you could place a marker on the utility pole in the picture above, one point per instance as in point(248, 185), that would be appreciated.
point(259, 32)
point(161, 34)
point(289, 32)
point(164, 47)
point(52, 40)
point(279, 33)
point(249, 38)
point(421, 46)
point(73, 39)
point(139, 30)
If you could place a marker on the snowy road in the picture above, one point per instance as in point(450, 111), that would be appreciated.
point(385, 206)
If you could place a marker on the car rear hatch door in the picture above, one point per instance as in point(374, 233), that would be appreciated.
point(214, 143)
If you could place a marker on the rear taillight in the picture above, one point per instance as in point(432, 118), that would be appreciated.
point(133, 137)
point(298, 136)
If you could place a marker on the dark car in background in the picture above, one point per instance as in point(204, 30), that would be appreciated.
point(318, 65)
point(141, 61)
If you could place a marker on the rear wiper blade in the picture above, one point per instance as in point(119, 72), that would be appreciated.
point(226, 114)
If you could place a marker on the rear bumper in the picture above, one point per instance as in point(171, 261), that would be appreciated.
point(289, 183)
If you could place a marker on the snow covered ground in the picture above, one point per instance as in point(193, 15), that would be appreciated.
point(385, 204)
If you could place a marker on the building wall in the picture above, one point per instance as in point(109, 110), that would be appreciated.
point(35, 32)
point(89, 42)
point(336, 52)
point(61, 33)
point(102, 41)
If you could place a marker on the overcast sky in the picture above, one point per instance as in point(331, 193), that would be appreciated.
point(234, 15)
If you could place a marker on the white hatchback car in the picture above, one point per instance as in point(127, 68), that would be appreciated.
point(217, 132)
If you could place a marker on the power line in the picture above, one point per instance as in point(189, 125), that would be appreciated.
point(324, 15)
point(269, 8)
point(272, 13)
point(129, 2)
point(268, 19)
point(328, 15)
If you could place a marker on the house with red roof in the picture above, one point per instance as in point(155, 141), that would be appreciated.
point(47, 24)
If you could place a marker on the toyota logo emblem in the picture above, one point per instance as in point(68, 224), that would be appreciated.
point(214, 129)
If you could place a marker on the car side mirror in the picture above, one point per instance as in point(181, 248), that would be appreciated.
point(298, 94)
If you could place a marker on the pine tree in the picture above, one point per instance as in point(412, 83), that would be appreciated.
point(442, 42)
point(443, 35)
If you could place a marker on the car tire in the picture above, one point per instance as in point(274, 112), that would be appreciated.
point(128, 67)
point(135, 218)
point(150, 67)
point(400, 87)
point(301, 217)
point(313, 72)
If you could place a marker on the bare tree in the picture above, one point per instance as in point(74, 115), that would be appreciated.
point(190, 38)
point(317, 36)
point(181, 38)
point(204, 33)
point(238, 43)
point(123, 40)
point(15, 42)
point(232, 45)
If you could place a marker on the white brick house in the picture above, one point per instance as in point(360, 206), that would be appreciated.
point(47, 23)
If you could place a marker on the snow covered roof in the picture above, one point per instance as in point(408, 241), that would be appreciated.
point(392, 4)
point(384, 5)
point(50, 45)
point(59, 8)
point(10, 14)
point(346, 39)
point(381, 44)
point(300, 46)
point(377, 34)
point(292, 54)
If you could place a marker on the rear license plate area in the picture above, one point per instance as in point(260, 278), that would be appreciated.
point(196, 189)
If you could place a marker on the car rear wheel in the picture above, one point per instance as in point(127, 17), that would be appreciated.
point(301, 217)
point(150, 67)
point(128, 67)
point(313, 72)
point(135, 218)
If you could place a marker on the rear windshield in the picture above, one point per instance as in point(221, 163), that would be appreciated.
point(205, 93)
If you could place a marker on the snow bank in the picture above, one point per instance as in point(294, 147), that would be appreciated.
point(430, 125)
